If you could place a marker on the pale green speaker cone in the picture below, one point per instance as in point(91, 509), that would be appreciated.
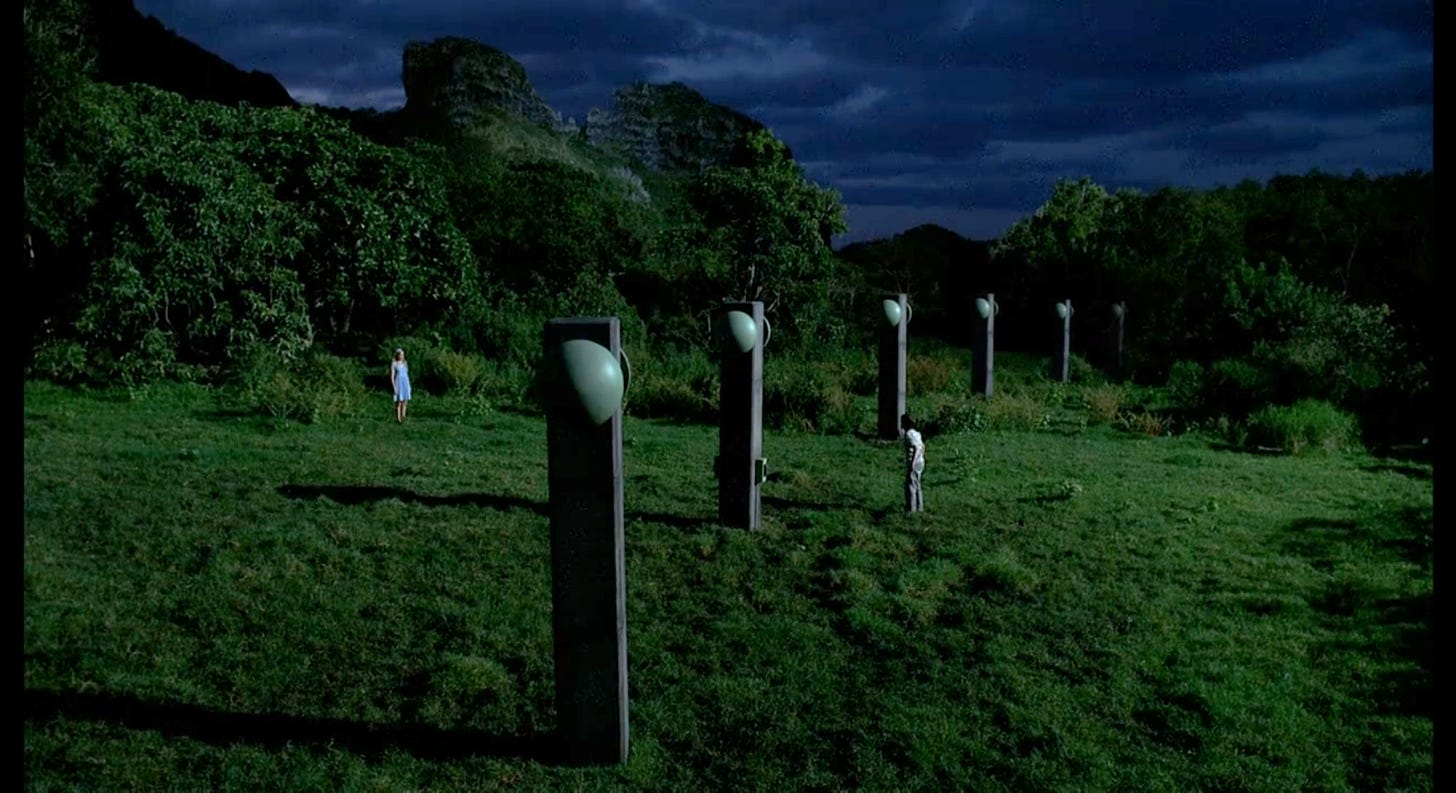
point(983, 307)
point(594, 377)
point(742, 332)
point(1061, 310)
point(892, 312)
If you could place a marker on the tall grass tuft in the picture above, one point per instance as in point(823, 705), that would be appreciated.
point(315, 388)
point(1307, 425)
point(1103, 401)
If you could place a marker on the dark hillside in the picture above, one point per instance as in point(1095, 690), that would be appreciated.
point(133, 48)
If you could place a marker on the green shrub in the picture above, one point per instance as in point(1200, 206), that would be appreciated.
point(315, 388)
point(842, 414)
point(1186, 384)
point(793, 394)
point(508, 383)
point(61, 362)
point(1103, 401)
point(1236, 387)
point(1080, 371)
point(942, 413)
point(931, 374)
point(1307, 425)
point(678, 385)
point(855, 370)
point(1142, 422)
point(812, 396)
point(459, 373)
point(1016, 412)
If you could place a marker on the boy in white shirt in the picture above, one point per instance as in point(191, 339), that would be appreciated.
point(914, 464)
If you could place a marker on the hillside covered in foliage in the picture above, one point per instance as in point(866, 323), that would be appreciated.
point(216, 231)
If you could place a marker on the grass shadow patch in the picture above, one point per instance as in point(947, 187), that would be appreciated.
point(1175, 719)
point(353, 495)
point(675, 521)
point(1414, 472)
point(778, 502)
point(278, 731)
point(1257, 451)
point(1048, 498)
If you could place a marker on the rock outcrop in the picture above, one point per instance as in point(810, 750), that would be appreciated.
point(452, 79)
point(668, 127)
point(449, 83)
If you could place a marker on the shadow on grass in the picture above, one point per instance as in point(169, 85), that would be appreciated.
point(274, 730)
point(1050, 498)
point(675, 521)
point(675, 422)
point(352, 495)
point(820, 506)
point(1259, 451)
point(1407, 533)
point(1407, 452)
point(1411, 471)
point(1400, 630)
point(230, 413)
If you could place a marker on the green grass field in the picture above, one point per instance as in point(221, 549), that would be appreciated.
point(217, 601)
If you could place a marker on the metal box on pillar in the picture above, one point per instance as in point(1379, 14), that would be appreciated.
point(740, 331)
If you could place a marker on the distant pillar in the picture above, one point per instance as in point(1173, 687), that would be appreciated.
point(1060, 369)
point(1119, 317)
point(893, 320)
point(583, 394)
point(741, 331)
point(983, 345)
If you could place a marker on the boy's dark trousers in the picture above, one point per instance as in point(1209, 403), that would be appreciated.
point(913, 500)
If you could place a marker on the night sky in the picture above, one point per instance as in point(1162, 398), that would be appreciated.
point(959, 113)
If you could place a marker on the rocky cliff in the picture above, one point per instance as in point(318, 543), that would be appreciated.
point(452, 79)
point(449, 83)
point(668, 127)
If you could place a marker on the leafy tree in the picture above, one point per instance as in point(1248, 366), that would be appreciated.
point(221, 228)
point(774, 227)
point(60, 151)
point(536, 225)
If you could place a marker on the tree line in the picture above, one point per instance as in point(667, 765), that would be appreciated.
point(166, 238)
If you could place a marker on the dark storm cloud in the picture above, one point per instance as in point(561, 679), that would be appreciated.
point(967, 110)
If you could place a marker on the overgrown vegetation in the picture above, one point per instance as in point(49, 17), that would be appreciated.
point(169, 239)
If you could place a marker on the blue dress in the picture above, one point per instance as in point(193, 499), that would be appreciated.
point(401, 379)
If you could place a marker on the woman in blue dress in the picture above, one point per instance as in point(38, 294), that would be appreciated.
point(399, 376)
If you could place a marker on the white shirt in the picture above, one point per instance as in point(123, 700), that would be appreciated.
point(915, 449)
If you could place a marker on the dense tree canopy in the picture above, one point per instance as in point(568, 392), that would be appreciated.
point(165, 237)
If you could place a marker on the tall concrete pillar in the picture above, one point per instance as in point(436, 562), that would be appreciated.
point(983, 345)
point(583, 391)
point(1060, 357)
point(892, 321)
point(741, 331)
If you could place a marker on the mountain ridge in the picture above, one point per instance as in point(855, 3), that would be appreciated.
point(451, 83)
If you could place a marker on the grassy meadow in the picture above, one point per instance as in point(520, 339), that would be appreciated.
point(218, 600)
